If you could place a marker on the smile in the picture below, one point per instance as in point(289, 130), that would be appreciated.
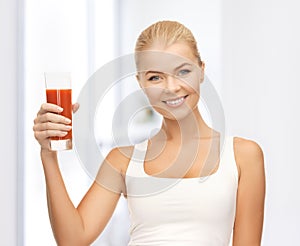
point(175, 102)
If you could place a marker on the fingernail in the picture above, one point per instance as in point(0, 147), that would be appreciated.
point(68, 121)
point(59, 109)
point(68, 127)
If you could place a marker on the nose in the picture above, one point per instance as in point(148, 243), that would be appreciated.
point(172, 84)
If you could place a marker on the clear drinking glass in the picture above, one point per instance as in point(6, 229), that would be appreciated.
point(59, 92)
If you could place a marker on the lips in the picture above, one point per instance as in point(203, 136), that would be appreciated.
point(176, 101)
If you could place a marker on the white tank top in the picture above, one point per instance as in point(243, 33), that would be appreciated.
point(189, 211)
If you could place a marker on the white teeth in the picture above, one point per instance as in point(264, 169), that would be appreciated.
point(175, 102)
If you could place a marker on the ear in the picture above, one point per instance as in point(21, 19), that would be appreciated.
point(202, 69)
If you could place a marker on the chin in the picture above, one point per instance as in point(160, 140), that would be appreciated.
point(177, 115)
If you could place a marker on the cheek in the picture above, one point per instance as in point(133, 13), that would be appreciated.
point(153, 94)
point(154, 97)
point(192, 83)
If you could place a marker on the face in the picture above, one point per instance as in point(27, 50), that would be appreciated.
point(170, 77)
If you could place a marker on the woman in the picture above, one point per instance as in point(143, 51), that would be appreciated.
point(180, 189)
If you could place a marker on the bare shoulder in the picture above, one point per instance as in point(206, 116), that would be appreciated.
point(119, 158)
point(248, 155)
point(112, 171)
point(251, 192)
point(247, 148)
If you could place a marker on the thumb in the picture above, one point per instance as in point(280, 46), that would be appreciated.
point(75, 107)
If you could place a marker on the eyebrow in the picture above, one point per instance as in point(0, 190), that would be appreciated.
point(182, 65)
point(160, 72)
point(151, 71)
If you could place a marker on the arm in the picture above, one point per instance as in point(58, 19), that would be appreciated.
point(71, 225)
point(251, 194)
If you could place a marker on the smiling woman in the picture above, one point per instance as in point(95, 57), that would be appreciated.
point(170, 76)
point(182, 187)
point(170, 72)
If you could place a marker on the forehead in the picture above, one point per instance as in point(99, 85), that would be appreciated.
point(164, 59)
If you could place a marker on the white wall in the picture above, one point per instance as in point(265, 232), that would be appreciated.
point(261, 97)
point(8, 123)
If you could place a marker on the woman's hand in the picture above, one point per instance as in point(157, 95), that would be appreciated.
point(48, 123)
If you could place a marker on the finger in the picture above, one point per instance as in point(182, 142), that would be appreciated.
point(75, 107)
point(51, 117)
point(51, 126)
point(42, 135)
point(49, 107)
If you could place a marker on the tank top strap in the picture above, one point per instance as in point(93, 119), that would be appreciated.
point(136, 164)
point(229, 164)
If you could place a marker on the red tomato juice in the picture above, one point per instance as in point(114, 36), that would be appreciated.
point(62, 98)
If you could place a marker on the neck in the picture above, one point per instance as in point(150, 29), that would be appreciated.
point(192, 126)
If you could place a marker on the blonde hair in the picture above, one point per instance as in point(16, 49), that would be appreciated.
point(167, 32)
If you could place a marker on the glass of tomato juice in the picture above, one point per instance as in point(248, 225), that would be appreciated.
point(59, 92)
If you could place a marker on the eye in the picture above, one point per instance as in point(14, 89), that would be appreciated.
point(183, 72)
point(154, 78)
